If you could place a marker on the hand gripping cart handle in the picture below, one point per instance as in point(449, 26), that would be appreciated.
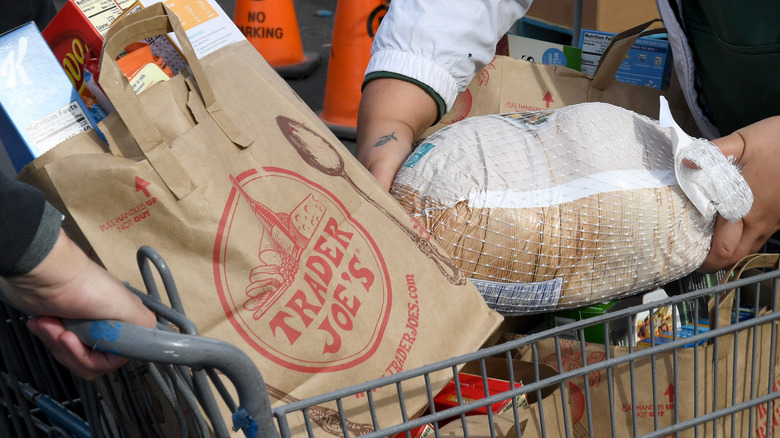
point(186, 348)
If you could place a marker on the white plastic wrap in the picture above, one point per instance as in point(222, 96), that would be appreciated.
point(556, 209)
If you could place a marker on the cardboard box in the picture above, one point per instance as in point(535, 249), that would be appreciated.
point(684, 331)
point(419, 432)
point(645, 65)
point(75, 42)
point(544, 52)
point(617, 329)
point(40, 106)
point(473, 388)
point(607, 15)
point(101, 13)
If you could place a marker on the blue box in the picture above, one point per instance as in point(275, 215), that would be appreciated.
point(40, 106)
point(645, 65)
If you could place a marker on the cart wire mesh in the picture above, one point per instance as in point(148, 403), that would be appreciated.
point(715, 382)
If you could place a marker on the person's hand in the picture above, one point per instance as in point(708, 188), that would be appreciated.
point(756, 148)
point(67, 284)
point(393, 114)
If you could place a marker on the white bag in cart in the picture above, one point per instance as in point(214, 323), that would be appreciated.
point(555, 209)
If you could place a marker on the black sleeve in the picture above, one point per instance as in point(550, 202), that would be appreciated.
point(16, 13)
point(29, 226)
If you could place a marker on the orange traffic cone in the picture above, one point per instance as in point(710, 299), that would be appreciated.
point(353, 32)
point(272, 28)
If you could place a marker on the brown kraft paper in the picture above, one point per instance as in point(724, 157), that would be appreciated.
point(278, 239)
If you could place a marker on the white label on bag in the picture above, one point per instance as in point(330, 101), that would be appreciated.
point(602, 182)
point(60, 125)
point(516, 298)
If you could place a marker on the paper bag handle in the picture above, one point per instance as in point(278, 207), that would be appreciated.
point(616, 52)
point(151, 21)
point(132, 112)
point(210, 100)
point(752, 261)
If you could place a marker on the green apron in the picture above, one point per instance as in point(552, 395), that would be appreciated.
point(736, 47)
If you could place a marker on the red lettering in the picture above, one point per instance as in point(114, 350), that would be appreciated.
point(280, 321)
point(393, 368)
point(342, 317)
point(335, 255)
point(325, 272)
point(319, 290)
point(335, 345)
point(775, 419)
point(761, 409)
point(353, 309)
point(342, 237)
point(670, 392)
point(301, 306)
point(363, 275)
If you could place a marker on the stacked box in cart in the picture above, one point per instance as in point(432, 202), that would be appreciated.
point(544, 52)
point(40, 106)
point(645, 65)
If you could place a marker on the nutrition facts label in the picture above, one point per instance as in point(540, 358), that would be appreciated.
point(57, 127)
point(101, 13)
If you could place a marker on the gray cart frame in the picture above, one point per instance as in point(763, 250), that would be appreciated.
point(186, 367)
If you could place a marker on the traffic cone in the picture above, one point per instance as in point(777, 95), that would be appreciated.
point(272, 28)
point(354, 27)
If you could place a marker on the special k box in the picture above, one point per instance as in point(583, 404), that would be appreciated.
point(40, 106)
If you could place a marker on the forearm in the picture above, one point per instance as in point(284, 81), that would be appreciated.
point(393, 114)
point(68, 284)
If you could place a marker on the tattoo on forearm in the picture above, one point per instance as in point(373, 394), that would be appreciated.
point(385, 139)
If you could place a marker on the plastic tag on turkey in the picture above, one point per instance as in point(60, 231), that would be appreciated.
point(557, 209)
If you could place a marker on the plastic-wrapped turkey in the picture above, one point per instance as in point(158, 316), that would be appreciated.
point(556, 209)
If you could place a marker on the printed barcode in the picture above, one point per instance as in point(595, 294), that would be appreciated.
point(509, 298)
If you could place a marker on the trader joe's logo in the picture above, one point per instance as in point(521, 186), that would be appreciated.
point(311, 274)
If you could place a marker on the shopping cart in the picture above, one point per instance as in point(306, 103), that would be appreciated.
point(705, 397)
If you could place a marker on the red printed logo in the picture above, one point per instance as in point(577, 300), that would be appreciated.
point(313, 271)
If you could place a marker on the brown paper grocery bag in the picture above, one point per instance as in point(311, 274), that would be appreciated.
point(509, 85)
point(279, 241)
point(541, 416)
point(729, 374)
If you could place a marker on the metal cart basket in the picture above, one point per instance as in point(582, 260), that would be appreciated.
point(716, 380)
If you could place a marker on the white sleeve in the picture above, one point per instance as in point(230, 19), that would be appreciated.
point(442, 43)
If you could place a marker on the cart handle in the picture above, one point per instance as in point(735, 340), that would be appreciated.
point(254, 415)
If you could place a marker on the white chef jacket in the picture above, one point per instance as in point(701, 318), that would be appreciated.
point(441, 44)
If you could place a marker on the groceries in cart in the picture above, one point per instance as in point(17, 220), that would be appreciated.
point(557, 209)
